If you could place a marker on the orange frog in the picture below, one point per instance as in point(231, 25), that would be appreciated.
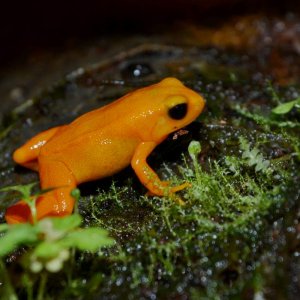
point(103, 142)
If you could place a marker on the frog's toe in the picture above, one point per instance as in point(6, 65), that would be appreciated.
point(178, 200)
point(180, 187)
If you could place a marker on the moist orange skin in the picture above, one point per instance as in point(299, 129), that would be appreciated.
point(101, 143)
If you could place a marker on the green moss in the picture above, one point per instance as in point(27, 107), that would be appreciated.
point(218, 228)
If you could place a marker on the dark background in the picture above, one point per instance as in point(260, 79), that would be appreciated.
point(33, 24)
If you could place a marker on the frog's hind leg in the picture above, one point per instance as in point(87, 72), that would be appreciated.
point(27, 154)
point(57, 202)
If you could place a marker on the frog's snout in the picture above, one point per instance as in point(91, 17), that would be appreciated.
point(197, 104)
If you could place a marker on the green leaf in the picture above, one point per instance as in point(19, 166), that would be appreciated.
point(66, 223)
point(48, 250)
point(24, 190)
point(4, 227)
point(285, 107)
point(90, 239)
point(16, 236)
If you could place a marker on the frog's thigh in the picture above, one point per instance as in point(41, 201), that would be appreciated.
point(27, 154)
point(58, 202)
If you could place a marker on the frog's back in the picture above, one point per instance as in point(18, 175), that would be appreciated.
point(118, 117)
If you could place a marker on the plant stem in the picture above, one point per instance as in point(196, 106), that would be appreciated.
point(29, 286)
point(196, 169)
point(70, 269)
point(10, 292)
point(42, 285)
point(33, 212)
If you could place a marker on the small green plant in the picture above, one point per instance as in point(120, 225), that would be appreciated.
point(253, 157)
point(266, 122)
point(284, 108)
point(25, 192)
point(49, 242)
point(274, 118)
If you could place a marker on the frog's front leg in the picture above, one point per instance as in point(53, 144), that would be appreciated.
point(57, 202)
point(146, 174)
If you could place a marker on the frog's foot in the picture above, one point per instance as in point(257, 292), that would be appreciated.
point(166, 190)
point(54, 203)
point(18, 213)
point(176, 199)
point(57, 202)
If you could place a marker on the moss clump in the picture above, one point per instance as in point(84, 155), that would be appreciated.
point(210, 241)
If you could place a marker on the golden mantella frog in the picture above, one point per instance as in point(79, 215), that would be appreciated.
point(104, 141)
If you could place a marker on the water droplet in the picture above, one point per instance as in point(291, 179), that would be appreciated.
point(119, 281)
point(291, 229)
point(137, 70)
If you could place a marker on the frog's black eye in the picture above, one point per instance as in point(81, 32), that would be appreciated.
point(178, 111)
